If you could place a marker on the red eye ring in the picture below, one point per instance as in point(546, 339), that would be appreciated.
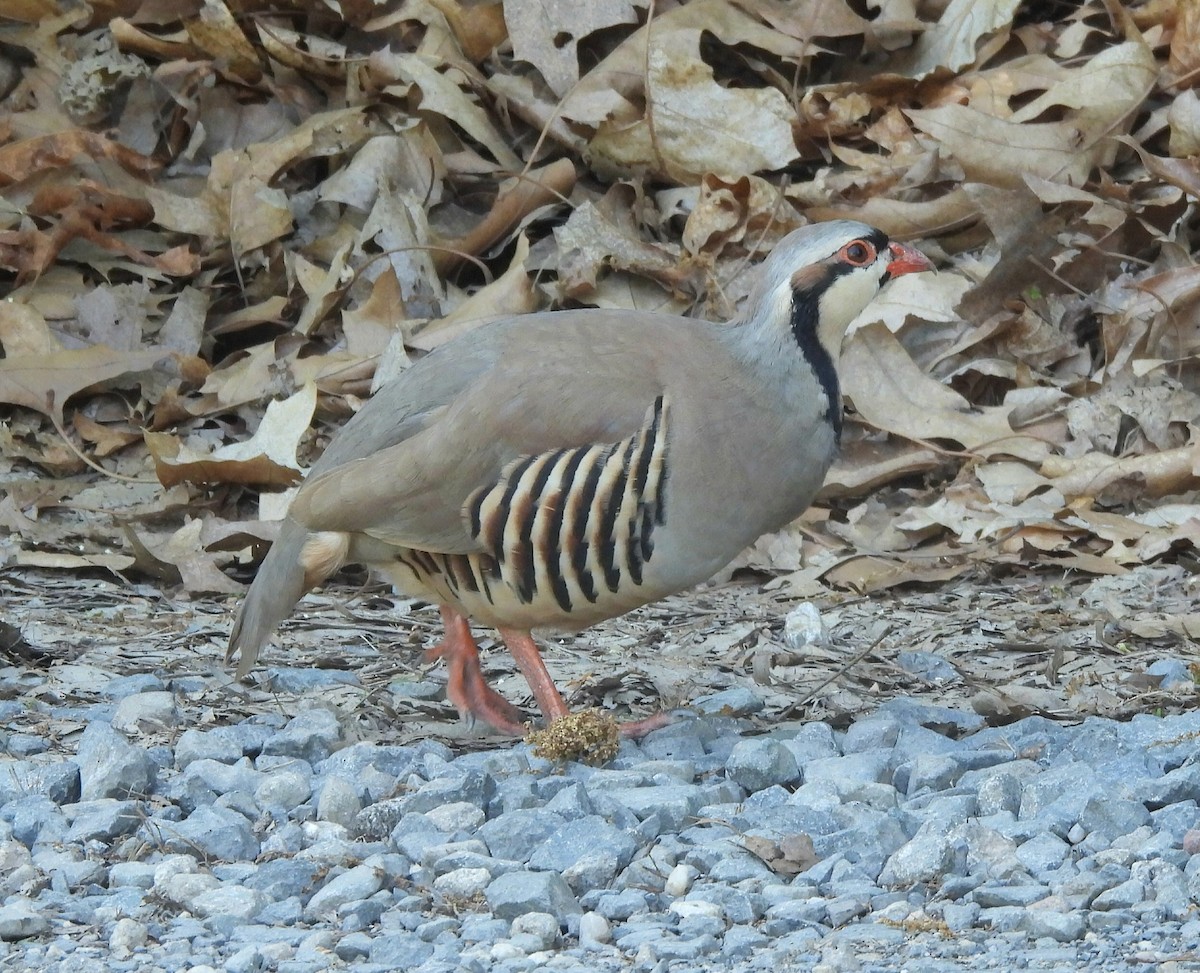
point(858, 253)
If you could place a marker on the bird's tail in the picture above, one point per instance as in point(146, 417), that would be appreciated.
point(280, 583)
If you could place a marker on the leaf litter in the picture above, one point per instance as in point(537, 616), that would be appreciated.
point(222, 227)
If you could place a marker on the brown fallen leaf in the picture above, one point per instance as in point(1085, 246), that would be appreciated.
point(106, 438)
point(547, 34)
point(268, 458)
point(891, 393)
point(178, 558)
point(28, 157)
point(959, 39)
point(72, 562)
point(866, 574)
point(516, 199)
point(692, 125)
point(215, 31)
point(509, 294)
point(45, 382)
point(789, 856)
point(1171, 471)
point(865, 465)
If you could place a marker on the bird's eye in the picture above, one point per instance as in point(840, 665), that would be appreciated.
point(859, 253)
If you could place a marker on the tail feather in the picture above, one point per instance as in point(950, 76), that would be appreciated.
point(275, 590)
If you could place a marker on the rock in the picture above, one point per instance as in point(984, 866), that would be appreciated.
point(240, 904)
point(111, 766)
point(517, 893)
point(760, 763)
point(146, 711)
point(215, 832)
point(311, 736)
point(56, 780)
point(463, 883)
point(20, 920)
point(540, 927)
point(127, 937)
point(567, 845)
point(339, 801)
point(516, 834)
point(594, 929)
point(359, 882)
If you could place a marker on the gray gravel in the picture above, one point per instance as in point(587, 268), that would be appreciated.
point(918, 839)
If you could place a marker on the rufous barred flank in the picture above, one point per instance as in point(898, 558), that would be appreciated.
point(556, 469)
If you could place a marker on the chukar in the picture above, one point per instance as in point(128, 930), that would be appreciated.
point(560, 468)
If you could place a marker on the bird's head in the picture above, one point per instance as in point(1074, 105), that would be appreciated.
point(820, 277)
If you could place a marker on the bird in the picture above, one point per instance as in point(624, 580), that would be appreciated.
point(555, 469)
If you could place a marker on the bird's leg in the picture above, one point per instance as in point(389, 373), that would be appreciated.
point(529, 661)
point(549, 700)
point(466, 688)
point(636, 729)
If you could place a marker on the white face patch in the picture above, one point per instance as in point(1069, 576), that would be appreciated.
point(844, 300)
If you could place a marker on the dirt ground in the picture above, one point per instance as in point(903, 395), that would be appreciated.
point(1006, 647)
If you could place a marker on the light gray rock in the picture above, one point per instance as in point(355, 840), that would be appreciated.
point(516, 834)
point(1063, 927)
point(339, 801)
point(1123, 896)
point(360, 882)
point(457, 816)
point(541, 927)
point(926, 858)
point(145, 711)
point(214, 832)
point(111, 766)
point(20, 919)
point(311, 736)
point(285, 789)
point(463, 883)
point(574, 840)
point(103, 820)
point(594, 930)
point(762, 762)
point(127, 937)
point(233, 901)
point(517, 893)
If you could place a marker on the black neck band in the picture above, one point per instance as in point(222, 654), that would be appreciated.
point(805, 314)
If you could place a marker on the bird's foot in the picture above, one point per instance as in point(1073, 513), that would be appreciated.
point(636, 729)
point(475, 699)
point(466, 688)
point(529, 660)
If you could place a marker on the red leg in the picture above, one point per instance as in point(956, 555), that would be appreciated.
point(549, 700)
point(529, 661)
point(639, 728)
point(466, 688)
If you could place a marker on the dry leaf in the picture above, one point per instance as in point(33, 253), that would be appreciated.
point(693, 126)
point(268, 458)
point(44, 382)
point(890, 392)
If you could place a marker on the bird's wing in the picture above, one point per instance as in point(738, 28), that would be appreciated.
point(558, 381)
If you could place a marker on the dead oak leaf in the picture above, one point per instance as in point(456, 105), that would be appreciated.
point(1098, 100)
point(692, 125)
point(180, 559)
point(955, 41)
point(86, 211)
point(32, 156)
point(788, 857)
point(546, 34)
point(893, 394)
point(268, 458)
point(45, 382)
